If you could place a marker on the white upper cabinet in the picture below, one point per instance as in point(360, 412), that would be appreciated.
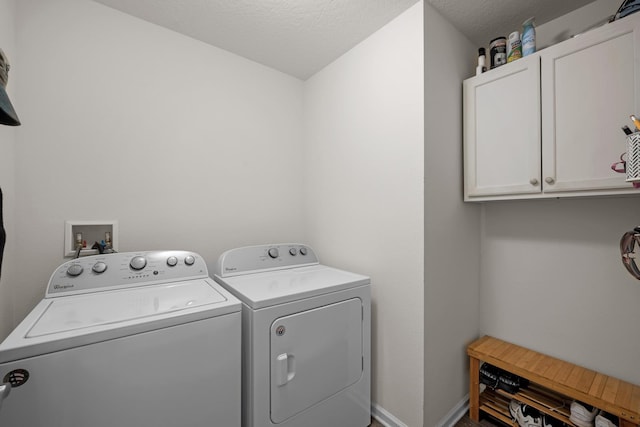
point(589, 89)
point(548, 125)
point(502, 130)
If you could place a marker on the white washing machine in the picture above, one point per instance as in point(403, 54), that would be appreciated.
point(141, 339)
point(306, 336)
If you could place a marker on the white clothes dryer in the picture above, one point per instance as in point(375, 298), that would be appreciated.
point(141, 339)
point(306, 334)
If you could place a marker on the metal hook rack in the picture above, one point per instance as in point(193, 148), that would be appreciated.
point(628, 244)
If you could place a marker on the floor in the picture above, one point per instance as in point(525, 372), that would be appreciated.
point(464, 422)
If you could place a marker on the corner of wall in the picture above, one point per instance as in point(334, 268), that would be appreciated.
point(451, 292)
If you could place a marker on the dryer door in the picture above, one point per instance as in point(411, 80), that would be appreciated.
point(314, 355)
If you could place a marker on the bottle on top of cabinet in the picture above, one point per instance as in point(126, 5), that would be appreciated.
point(528, 37)
point(514, 47)
point(482, 64)
point(498, 52)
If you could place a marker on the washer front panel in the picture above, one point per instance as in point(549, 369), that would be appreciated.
point(188, 375)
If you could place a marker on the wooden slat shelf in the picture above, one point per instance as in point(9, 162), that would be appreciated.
point(554, 384)
point(553, 402)
point(496, 406)
point(496, 409)
point(554, 405)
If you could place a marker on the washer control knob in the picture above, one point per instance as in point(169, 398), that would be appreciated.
point(138, 262)
point(303, 250)
point(189, 260)
point(273, 252)
point(75, 270)
point(99, 267)
point(293, 251)
point(172, 261)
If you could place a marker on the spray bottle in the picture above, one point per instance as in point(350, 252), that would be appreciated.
point(528, 37)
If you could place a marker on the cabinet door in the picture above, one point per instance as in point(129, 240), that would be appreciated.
point(589, 89)
point(502, 130)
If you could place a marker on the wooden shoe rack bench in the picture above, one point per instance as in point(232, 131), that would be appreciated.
point(554, 384)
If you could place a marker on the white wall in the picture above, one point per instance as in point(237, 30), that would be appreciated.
point(7, 170)
point(552, 279)
point(364, 130)
point(187, 146)
point(452, 237)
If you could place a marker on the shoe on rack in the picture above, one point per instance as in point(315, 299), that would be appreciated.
point(511, 383)
point(494, 377)
point(489, 375)
point(604, 419)
point(549, 421)
point(582, 414)
point(525, 415)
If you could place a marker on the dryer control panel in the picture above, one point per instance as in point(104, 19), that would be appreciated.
point(252, 259)
point(124, 270)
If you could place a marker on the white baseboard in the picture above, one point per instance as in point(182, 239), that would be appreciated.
point(384, 417)
point(387, 419)
point(455, 414)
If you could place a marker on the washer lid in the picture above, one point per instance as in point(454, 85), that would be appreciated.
point(65, 322)
point(259, 290)
point(101, 308)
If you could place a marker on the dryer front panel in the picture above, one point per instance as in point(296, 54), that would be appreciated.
point(315, 354)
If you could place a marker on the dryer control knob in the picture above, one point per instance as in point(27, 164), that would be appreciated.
point(293, 251)
point(303, 251)
point(273, 252)
point(99, 267)
point(172, 261)
point(189, 260)
point(75, 270)
point(138, 263)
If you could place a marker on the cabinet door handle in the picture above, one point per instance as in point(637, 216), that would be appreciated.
point(533, 181)
point(549, 180)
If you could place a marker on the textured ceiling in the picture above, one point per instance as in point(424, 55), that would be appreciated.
point(300, 37)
